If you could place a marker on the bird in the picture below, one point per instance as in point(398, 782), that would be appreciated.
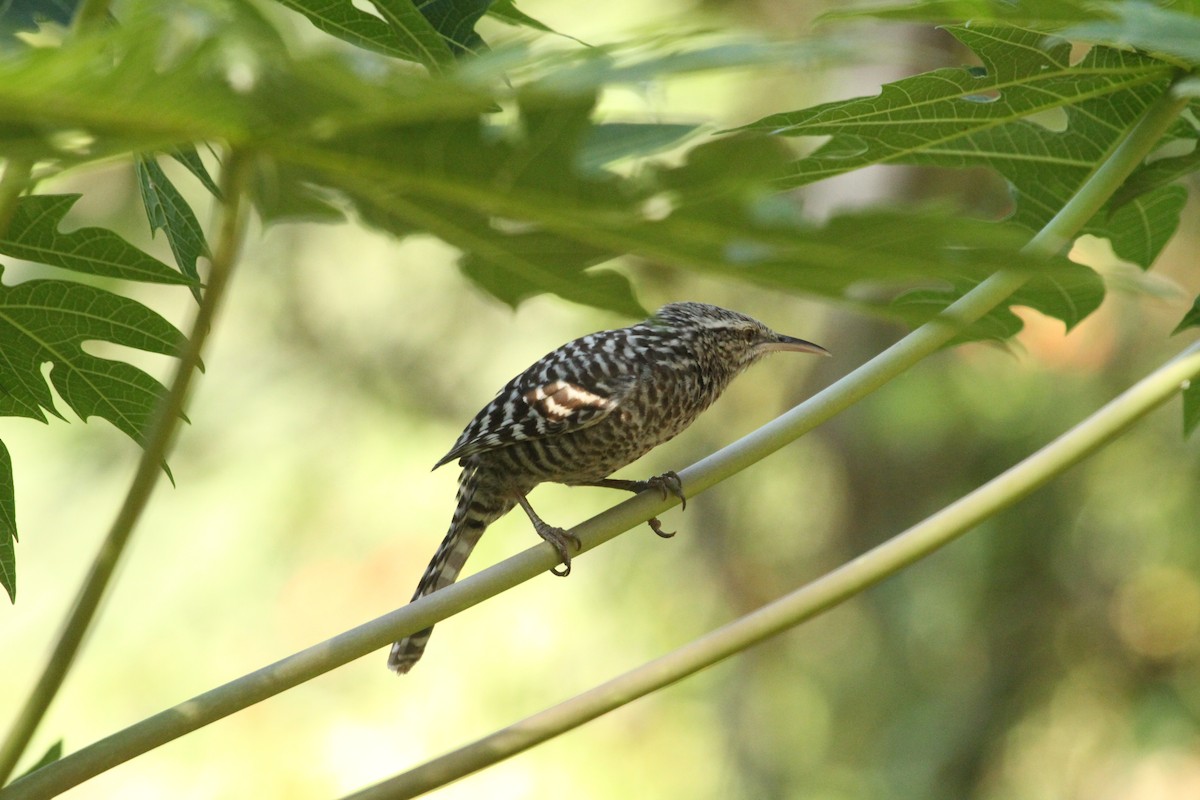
point(580, 413)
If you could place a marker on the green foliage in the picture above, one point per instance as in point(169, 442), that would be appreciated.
point(415, 125)
point(34, 235)
point(986, 117)
point(534, 200)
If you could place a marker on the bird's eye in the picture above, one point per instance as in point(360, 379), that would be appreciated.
point(750, 335)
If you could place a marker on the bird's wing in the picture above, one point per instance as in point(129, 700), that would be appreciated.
point(565, 391)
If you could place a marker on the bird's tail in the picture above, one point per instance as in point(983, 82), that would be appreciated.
point(477, 507)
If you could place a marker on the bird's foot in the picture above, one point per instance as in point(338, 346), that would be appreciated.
point(667, 484)
point(560, 538)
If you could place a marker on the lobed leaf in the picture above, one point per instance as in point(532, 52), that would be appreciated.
point(1140, 229)
point(49, 321)
point(529, 219)
point(34, 235)
point(454, 21)
point(340, 18)
point(982, 117)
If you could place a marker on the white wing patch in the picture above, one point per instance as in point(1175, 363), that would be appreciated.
point(557, 401)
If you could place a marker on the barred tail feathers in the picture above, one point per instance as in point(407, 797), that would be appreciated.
point(475, 509)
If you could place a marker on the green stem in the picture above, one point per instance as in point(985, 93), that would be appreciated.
point(294, 670)
point(810, 600)
point(157, 442)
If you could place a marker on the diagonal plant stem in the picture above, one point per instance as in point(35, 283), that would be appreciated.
point(289, 672)
point(812, 599)
point(157, 442)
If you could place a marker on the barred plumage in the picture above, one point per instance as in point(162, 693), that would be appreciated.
point(584, 411)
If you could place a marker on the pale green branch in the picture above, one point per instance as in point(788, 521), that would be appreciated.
point(810, 600)
point(150, 467)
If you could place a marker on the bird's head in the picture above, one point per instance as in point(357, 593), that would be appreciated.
point(728, 336)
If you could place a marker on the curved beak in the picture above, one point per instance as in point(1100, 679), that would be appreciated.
point(790, 343)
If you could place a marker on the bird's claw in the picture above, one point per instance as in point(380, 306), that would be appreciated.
point(656, 526)
point(669, 484)
point(559, 539)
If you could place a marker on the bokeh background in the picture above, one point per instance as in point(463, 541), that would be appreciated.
point(1052, 653)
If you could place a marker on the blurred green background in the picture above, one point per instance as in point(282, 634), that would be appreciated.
point(1050, 654)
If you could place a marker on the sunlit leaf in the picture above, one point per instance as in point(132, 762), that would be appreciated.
point(981, 117)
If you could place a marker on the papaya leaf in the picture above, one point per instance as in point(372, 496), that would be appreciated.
point(455, 21)
point(342, 19)
point(1140, 229)
point(416, 32)
point(50, 321)
point(34, 235)
point(980, 117)
point(8, 526)
point(529, 219)
point(1181, 157)
point(1068, 293)
point(169, 212)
